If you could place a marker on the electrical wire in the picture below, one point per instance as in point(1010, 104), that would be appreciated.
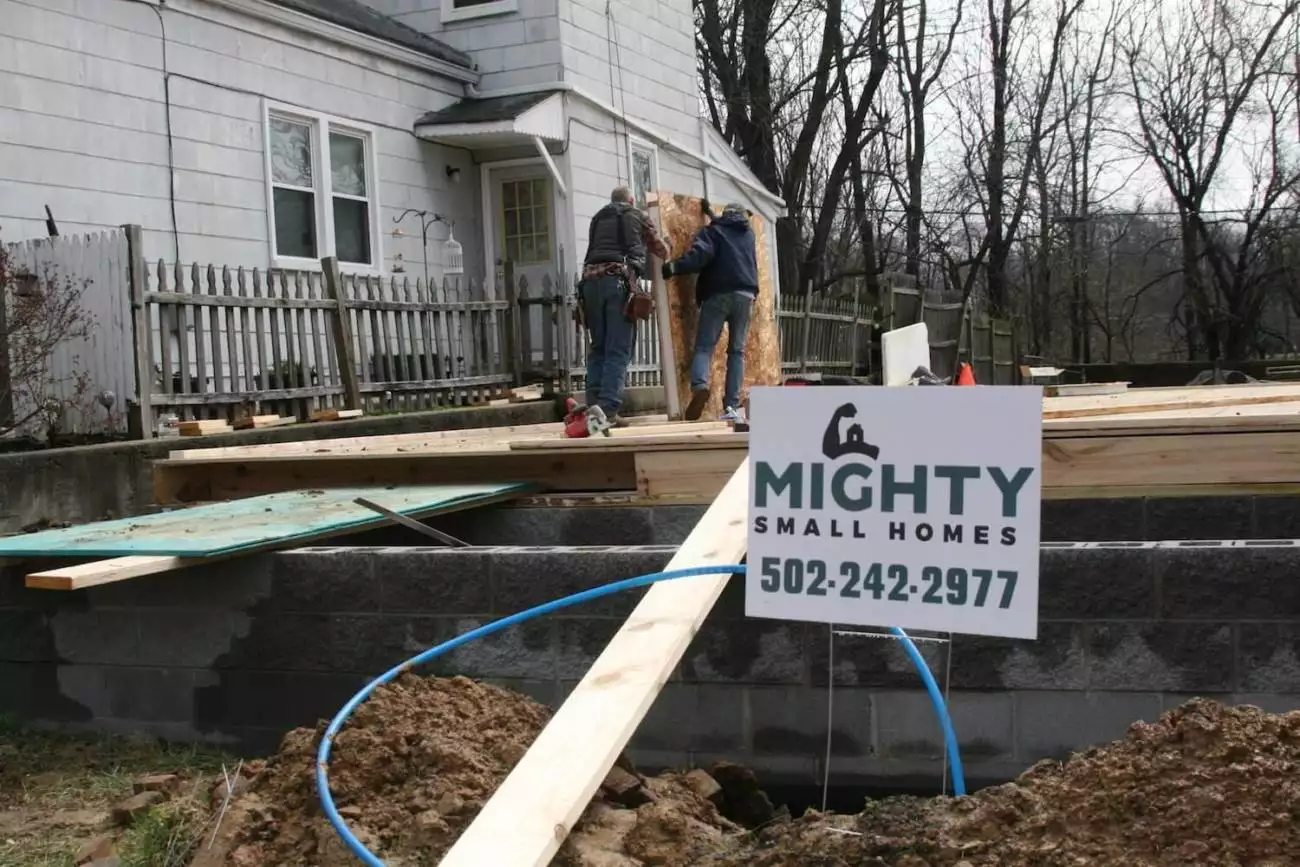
point(340, 719)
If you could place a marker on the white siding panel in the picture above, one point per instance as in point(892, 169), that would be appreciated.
point(41, 97)
point(512, 49)
point(83, 127)
point(68, 135)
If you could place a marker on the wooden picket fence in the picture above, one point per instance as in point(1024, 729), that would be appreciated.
point(214, 342)
point(228, 341)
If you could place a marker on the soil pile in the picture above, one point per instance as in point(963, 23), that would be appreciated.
point(409, 771)
point(1206, 785)
point(415, 764)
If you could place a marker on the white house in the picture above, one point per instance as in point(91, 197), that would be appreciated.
point(274, 132)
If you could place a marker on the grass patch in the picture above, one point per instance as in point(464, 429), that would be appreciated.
point(37, 852)
point(60, 771)
point(166, 836)
point(55, 790)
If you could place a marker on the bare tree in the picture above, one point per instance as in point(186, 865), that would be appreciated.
point(1198, 75)
point(39, 313)
point(756, 108)
point(919, 64)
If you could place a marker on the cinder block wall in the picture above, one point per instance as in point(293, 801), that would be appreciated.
point(240, 651)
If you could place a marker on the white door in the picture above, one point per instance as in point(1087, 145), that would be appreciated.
point(524, 233)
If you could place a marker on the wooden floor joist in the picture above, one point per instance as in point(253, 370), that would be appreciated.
point(526, 821)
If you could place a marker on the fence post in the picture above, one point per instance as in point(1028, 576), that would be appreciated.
point(512, 322)
point(807, 327)
point(345, 352)
point(139, 420)
point(853, 329)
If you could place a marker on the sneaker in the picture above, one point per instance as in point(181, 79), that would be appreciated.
point(734, 415)
point(695, 408)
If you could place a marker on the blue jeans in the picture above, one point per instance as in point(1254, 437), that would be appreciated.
point(612, 335)
point(732, 309)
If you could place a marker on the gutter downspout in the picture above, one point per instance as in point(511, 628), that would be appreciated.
point(550, 164)
point(704, 149)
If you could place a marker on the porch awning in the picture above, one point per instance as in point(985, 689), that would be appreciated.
point(497, 121)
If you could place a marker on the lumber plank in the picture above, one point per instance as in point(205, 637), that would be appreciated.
point(1151, 461)
point(529, 816)
point(98, 572)
point(1279, 417)
point(720, 437)
point(346, 445)
point(179, 482)
point(694, 477)
point(1192, 398)
point(336, 414)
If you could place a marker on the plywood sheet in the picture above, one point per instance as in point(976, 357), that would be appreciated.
point(681, 217)
point(252, 523)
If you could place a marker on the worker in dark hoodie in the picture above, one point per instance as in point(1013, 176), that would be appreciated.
point(726, 258)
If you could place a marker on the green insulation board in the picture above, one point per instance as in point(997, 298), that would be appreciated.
point(268, 521)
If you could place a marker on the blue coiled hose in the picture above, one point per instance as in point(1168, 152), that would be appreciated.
point(341, 718)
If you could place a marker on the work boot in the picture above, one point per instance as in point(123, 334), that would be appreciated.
point(695, 409)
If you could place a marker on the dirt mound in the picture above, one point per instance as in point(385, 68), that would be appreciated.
point(1206, 785)
point(415, 764)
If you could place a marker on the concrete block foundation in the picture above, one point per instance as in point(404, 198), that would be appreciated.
point(238, 652)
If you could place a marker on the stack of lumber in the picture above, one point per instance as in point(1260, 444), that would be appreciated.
point(1133, 442)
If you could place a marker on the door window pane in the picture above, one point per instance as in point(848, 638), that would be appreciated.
point(295, 223)
point(526, 220)
point(348, 164)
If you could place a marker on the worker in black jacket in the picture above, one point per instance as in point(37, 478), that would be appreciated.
point(618, 241)
point(726, 258)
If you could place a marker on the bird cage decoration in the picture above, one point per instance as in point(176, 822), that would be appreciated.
point(453, 254)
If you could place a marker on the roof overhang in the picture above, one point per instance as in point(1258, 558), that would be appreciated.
point(496, 122)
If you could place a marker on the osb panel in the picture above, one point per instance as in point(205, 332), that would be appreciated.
point(681, 217)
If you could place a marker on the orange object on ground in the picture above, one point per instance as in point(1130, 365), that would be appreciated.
point(965, 375)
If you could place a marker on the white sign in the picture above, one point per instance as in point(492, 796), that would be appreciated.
point(915, 507)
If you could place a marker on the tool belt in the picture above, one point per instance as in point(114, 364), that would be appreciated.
point(640, 304)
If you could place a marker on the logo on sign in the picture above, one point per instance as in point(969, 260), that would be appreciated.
point(929, 499)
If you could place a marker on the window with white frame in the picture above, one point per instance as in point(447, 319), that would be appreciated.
point(322, 190)
point(461, 10)
point(643, 165)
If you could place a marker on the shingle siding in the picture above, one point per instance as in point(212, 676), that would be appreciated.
point(83, 125)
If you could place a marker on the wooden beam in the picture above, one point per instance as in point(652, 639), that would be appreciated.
point(533, 811)
point(178, 482)
point(92, 574)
